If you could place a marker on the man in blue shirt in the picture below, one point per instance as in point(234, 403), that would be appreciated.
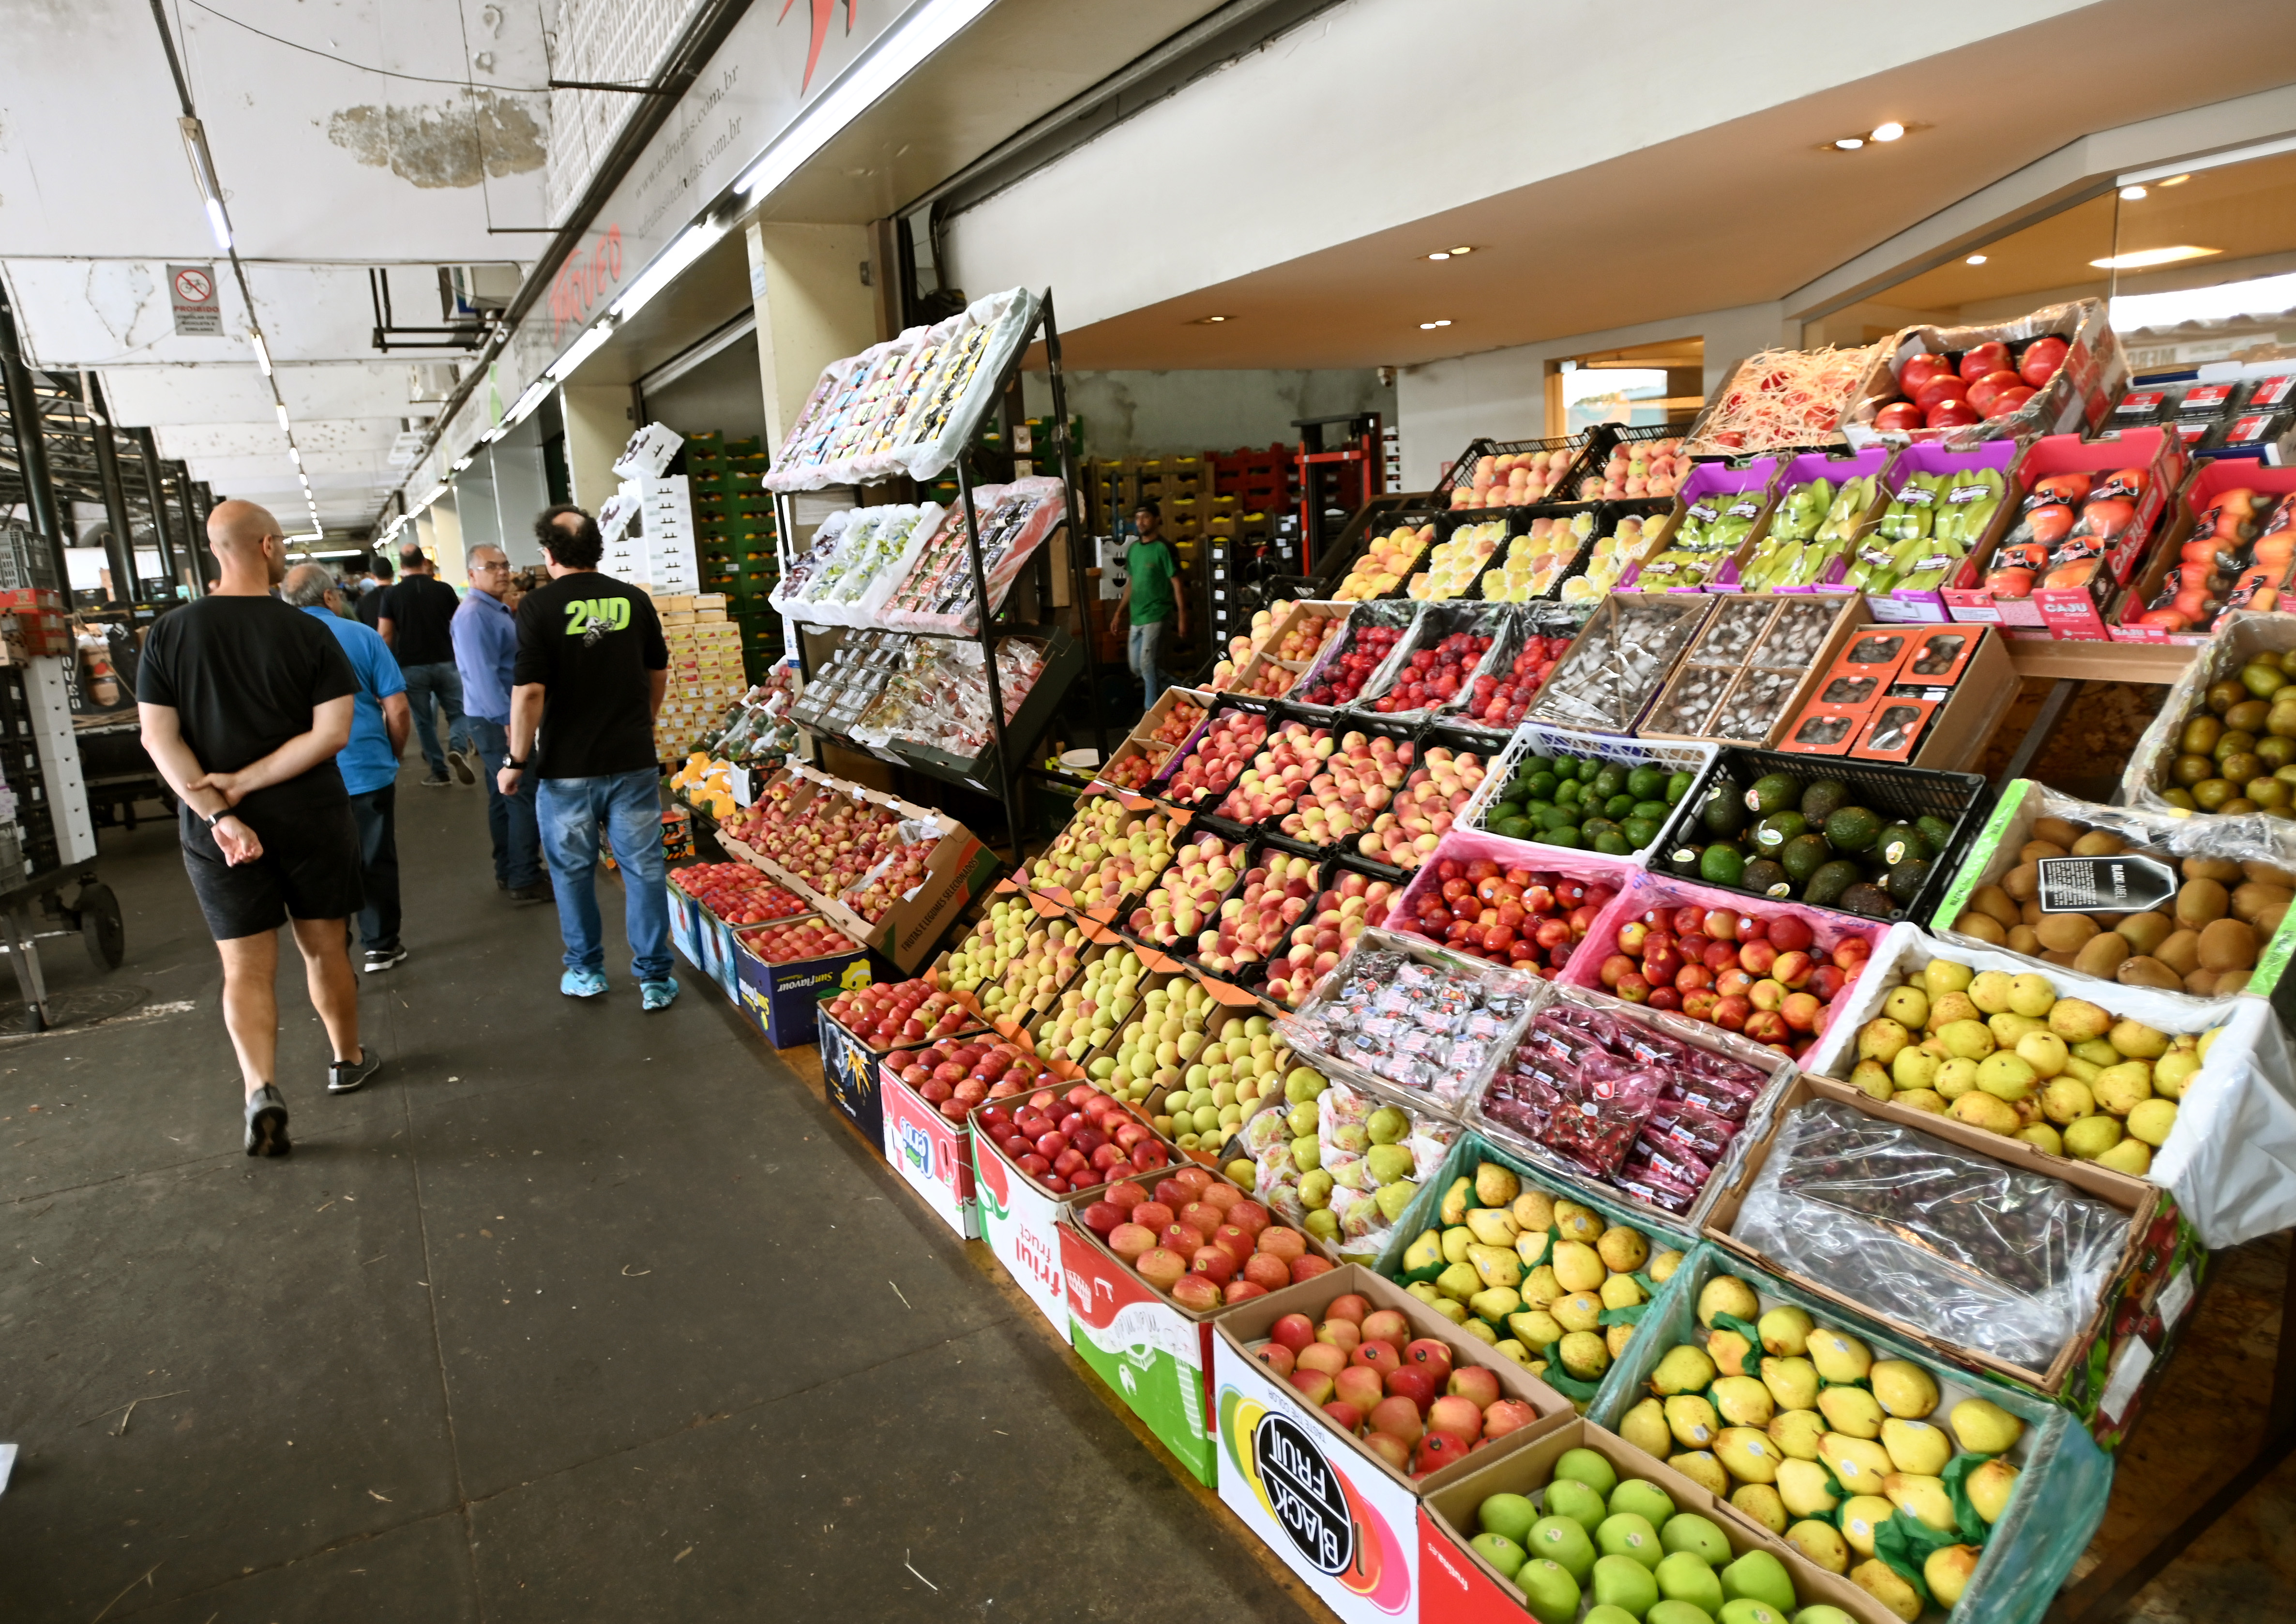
point(485, 634)
point(381, 717)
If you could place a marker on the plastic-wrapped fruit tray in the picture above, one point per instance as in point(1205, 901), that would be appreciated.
point(1740, 680)
point(1621, 660)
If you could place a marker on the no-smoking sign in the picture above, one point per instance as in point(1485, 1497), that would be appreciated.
point(191, 294)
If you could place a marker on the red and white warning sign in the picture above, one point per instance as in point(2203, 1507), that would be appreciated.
point(198, 306)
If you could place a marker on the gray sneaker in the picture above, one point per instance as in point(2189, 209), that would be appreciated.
point(466, 770)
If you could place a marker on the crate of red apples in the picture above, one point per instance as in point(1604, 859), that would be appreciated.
point(1063, 1139)
point(1774, 972)
point(1509, 902)
point(1199, 1241)
point(885, 1015)
point(739, 894)
point(796, 942)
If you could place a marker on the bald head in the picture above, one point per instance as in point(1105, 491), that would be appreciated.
point(249, 544)
point(307, 586)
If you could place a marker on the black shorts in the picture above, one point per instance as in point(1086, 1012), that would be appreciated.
point(310, 868)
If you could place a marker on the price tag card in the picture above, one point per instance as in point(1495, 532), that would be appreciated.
point(2104, 885)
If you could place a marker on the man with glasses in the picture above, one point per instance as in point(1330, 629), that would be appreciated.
point(485, 635)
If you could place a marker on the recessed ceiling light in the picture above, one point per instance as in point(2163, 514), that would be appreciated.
point(1439, 254)
point(2130, 195)
point(1851, 144)
point(1430, 326)
point(1209, 321)
point(1974, 259)
point(1463, 249)
point(1888, 132)
point(2143, 257)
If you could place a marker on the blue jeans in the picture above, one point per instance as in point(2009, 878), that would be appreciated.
point(629, 804)
point(1140, 651)
point(440, 683)
point(510, 818)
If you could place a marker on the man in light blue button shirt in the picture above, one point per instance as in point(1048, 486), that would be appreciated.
point(380, 719)
point(486, 647)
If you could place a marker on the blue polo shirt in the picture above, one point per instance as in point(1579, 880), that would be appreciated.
point(367, 762)
point(486, 648)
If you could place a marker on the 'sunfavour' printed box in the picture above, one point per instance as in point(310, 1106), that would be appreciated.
point(932, 1153)
point(849, 1071)
point(783, 1001)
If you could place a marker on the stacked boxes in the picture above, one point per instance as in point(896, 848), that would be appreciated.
point(666, 522)
point(706, 672)
point(734, 540)
point(26, 778)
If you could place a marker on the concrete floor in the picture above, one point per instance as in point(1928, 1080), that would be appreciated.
point(582, 1313)
point(574, 1314)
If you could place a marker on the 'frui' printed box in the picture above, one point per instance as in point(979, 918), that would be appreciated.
point(932, 1153)
point(1021, 1223)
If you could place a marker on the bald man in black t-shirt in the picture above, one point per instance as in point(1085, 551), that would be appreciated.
point(245, 704)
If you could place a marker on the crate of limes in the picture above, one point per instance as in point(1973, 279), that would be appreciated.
point(1860, 837)
point(1585, 791)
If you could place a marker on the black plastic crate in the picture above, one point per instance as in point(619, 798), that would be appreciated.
point(1964, 800)
point(1463, 471)
point(1159, 788)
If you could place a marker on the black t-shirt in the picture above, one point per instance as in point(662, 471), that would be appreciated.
point(243, 675)
point(370, 606)
point(590, 640)
point(419, 609)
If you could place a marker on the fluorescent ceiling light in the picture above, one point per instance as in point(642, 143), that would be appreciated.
point(280, 406)
point(581, 350)
point(1888, 132)
point(465, 462)
point(1974, 259)
point(341, 552)
point(696, 242)
point(2130, 195)
point(294, 457)
point(895, 55)
point(2139, 259)
point(431, 496)
point(262, 349)
point(219, 224)
point(536, 393)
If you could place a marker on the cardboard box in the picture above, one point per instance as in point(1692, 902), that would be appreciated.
point(933, 1155)
point(1913, 605)
point(2101, 1372)
point(1797, 696)
point(849, 1072)
point(2070, 612)
point(1339, 1516)
point(1021, 1222)
point(705, 940)
point(1458, 1587)
point(2077, 397)
point(1984, 685)
point(2063, 1480)
point(783, 1001)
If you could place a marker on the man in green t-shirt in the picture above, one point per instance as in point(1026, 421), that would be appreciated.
point(1150, 565)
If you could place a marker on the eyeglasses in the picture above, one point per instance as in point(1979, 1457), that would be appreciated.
point(499, 563)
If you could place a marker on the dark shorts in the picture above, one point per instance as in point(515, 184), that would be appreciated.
point(309, 869)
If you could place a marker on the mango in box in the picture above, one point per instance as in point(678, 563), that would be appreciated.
point(2008, 1054)
point(1533, 1272)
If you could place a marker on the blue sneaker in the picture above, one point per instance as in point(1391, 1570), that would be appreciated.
point(659, 994)
point(582, 983)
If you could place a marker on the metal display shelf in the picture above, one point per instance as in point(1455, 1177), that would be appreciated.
point(996, 771)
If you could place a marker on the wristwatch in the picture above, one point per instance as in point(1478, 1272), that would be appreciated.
point(212, 821)
point(515, 765)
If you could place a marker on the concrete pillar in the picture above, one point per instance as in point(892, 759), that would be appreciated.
point(522, 491)
point(426, 533)
point(597, 427)
point(812, 308)
point(446, 531)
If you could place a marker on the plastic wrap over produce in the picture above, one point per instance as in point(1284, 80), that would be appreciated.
point(1423, 1021)
point(1620, 661)
point(2082, 329)
point(806, 571)
point(939, 700)
point(2242, 634)
point(962, 391)
point(1967, 1249)
point(1013, 521)
point(850, 397)
point(1354, 1154)
point(873, 552)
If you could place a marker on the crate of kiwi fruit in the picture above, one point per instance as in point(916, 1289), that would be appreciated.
point(1860, 837)
point(2205, 911)
point(2225, 742)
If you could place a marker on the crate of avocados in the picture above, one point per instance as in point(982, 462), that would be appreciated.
point(1861, 837)
point(1557, 787)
